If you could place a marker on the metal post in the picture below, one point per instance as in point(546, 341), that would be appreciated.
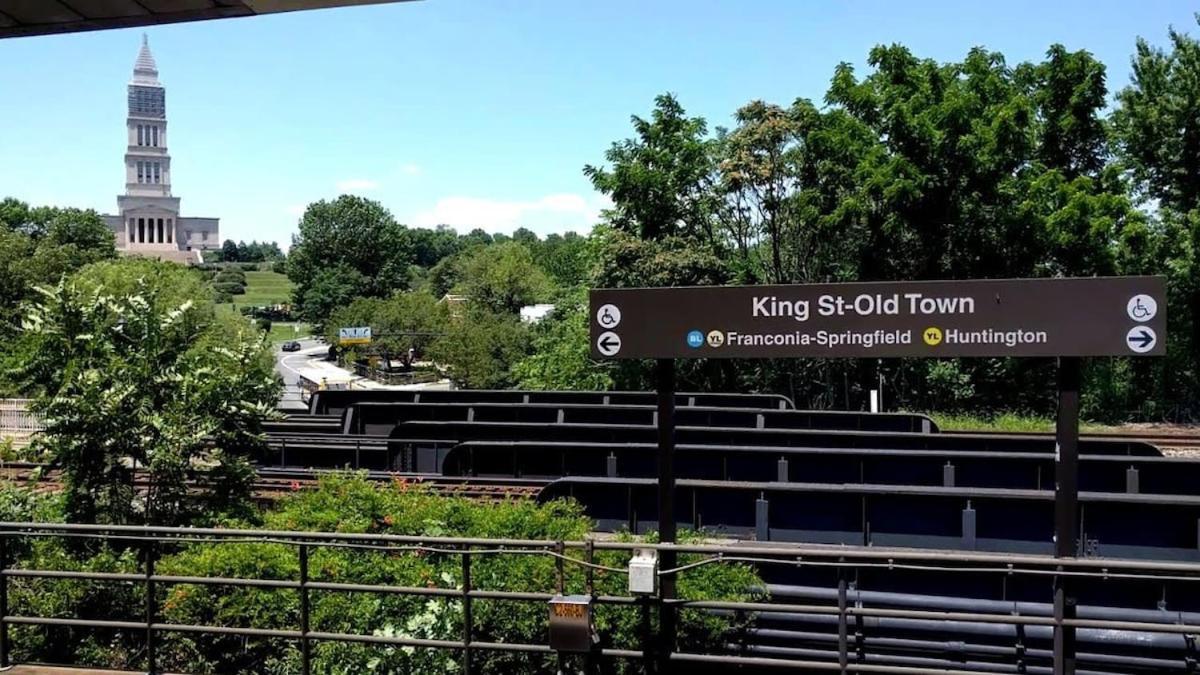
point(466, 607)
point(589, 573)
point(3, 601)
point(560, 585)
point(305, 646)
point(1066, 508)
point(843, 647)
point(151, 666)
point(666, 505)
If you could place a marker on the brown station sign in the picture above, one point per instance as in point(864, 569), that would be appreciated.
point(1105, 316)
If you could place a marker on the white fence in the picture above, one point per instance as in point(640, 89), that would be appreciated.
point(16, 422)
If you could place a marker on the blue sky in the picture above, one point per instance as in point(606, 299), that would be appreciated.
point(476, 113)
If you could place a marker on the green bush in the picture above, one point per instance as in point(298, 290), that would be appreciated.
point(229, 288)
point(351, 504)
point(342, 503)
point(231, 274)
point(249, 267)
point(279, 267)
point(263, 325)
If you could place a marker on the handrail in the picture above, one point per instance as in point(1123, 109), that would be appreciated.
point(469, 548)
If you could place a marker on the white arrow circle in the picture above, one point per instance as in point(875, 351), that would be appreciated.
point(1141, 339)
point(1141, 307)
point(609, 343)
point(608, 316)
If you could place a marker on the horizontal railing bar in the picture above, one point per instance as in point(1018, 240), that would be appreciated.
point(82, 623)
point(764, 662)
point(844, 554)
point(227, 630)
point(67, 574)
point(222, 581)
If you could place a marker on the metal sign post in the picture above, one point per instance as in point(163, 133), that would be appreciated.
point(1064, 318)
point(1066, 508)
point(665, 381)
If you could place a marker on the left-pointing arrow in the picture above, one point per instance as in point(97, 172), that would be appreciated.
point(608, 343)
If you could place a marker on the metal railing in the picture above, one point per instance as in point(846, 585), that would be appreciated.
point(657, 649)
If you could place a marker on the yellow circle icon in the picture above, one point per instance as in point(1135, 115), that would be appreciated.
point(716, 338)
point(932, 336)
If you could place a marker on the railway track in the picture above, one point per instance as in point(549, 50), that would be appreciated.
point(272, 484)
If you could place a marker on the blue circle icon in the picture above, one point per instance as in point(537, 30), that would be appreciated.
point(695, 339)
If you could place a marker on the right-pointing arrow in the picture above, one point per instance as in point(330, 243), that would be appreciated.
point(1141, 339)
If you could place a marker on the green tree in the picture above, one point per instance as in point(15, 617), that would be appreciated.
point(229, 251)
point(407, 320)
point(625, 261)
point(503, 278)
point(661, 181)
point(560, 357)
point(433, 246)
point(356, 237)
point(129, 361)
point(82, 229)
point(1156, 126)
point(1157, 121)
point(479, 350)
point(565, 257)
point(328, 290)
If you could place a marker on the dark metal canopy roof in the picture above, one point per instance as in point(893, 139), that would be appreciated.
point(19, 18)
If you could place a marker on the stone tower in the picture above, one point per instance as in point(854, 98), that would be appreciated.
point(149, 221)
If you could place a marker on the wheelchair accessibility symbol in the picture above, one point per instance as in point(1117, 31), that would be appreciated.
point(1141, 307)
point(608, 316)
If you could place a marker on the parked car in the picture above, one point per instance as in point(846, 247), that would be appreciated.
point(291, 346)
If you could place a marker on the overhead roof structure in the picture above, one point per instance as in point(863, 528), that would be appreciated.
point(19, 18)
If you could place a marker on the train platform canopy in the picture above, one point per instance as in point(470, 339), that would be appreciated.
point(20, 18)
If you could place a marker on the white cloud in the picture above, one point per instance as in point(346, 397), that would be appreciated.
point(552, 213)
point(356, 185)
point(410, 169)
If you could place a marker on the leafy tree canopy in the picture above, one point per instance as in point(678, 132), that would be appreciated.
point(130, 362)
point(357, 238)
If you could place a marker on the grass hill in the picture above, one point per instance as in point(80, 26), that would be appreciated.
point(269, 288)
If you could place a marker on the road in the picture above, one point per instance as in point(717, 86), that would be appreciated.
point(288, 365)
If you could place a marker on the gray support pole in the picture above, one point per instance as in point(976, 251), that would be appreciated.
point(762, 519)
point(666, 504)
point(1066, 507)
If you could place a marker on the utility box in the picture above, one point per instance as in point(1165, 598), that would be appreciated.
point(643, 572)
point(571, 623)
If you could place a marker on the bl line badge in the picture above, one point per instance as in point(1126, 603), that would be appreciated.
point(1104, 316)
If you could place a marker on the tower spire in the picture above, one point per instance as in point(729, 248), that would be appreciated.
point(145, 71)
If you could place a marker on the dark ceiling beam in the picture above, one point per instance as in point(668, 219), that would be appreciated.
point(218, 9)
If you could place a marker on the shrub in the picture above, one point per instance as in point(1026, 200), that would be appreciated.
point(229, 288)
point(232, 274)
point(279, 267)
point(263, 324)
point(249, 267)
point(348, 503)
